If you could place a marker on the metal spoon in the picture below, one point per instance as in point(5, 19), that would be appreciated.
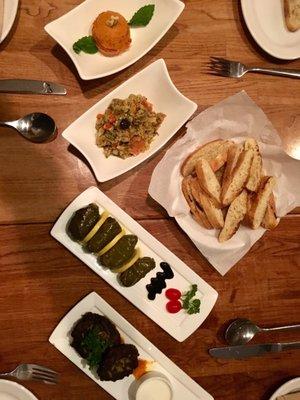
point(241, 331)
point(36, 127)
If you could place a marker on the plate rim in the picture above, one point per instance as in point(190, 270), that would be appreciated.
point(282, 389)
point(180, 333)
point(136, 336)
point(20, 387)
point(6, 31)
point(48, 28)
point(245, 5)
point(106, 177)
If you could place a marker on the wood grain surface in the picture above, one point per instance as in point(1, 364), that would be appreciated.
point(41, 280)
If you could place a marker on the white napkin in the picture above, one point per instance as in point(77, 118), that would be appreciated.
point(234, 118)
point(1, 17)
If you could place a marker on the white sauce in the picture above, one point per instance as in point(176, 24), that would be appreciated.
point(154, 389)
point(6, 396)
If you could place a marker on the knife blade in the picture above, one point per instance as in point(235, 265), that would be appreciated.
point(31, 86)
point(246, 351)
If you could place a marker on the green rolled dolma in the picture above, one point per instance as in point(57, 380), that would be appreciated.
point(137, 271)
point(105, 234)
point(121, 252)
point(83, 221)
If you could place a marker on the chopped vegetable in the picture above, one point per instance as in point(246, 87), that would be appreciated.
point(191, 306)
point(95, 346)
point(143, 16)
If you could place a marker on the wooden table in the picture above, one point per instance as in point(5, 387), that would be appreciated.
point(41, 280)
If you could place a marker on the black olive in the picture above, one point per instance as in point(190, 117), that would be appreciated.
point(124, 123)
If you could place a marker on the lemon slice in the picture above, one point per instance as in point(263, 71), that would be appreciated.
point(93, 232)
point(130, 263)
point(112, 243)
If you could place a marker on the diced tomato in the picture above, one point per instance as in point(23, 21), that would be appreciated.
point(173, 306)
point(107, 126)
point(137, 145)
point(173, 294)
point(112, 119)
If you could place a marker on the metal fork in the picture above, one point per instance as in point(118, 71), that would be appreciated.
point(25, 372)
point(235, 69)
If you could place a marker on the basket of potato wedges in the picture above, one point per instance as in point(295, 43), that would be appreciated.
point(225, 186)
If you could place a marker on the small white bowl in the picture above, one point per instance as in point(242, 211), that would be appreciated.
point(77, 23)
point(139, 388)
point(153, 82)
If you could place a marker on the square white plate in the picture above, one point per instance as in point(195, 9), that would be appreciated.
point(183, 386)
point(153, 82)
point(78, 22)
point(180, 325)
point(265, 20)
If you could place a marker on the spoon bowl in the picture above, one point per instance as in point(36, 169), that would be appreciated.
point(36, 127)
point(240, 331)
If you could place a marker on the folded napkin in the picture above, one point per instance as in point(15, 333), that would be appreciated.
point(291, 396)
point(235, 118)
point(1, 16)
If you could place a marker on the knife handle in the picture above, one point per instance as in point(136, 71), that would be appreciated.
point(290, 346)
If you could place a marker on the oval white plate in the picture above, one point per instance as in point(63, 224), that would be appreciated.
point(10, 390)
point(291, 386)
point(153, 82)
point(266, 23)
point(9, 15)
point(77, 23)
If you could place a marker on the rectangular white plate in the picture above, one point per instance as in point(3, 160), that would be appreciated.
point(153, 82)
point(77, 23)
point(180, 325)
point(183, 386)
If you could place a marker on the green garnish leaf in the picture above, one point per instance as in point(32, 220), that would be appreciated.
point(191, 306)
point(95, 346)
point(143, 16)
point(85, 44)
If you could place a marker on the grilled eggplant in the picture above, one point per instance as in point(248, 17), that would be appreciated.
point(121, 252)
point(137, 271)
point(105, 234)
point(83, 221)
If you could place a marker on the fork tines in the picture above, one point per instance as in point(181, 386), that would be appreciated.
point(43, 374)
point(219, 66)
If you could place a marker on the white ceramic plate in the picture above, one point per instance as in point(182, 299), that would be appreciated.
point(179, 325)
point(10, 390)
point(266, 23)
point(77, 23)
point(289, 387)
point(183, 386)
point(153, 82)
point(9, 15)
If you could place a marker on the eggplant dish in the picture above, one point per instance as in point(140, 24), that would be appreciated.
point(96, 339)
point(102, 235)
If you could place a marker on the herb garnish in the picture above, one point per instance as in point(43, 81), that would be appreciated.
point(192, 306)
point(85, 44)
point(143, 16)
point(95, 347)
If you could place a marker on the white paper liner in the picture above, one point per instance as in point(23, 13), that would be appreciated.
point(235, 118)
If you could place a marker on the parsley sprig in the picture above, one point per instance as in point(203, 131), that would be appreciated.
point(95, 347)
point(192, 306)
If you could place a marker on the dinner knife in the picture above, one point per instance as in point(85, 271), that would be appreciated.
point(30, 86)
point(245, 351)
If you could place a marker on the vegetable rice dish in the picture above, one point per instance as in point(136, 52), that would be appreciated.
point(127, 127)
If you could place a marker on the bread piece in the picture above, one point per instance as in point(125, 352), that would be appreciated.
point(292, 14)
point(208, 181)
point(270, 220)
point(238, 178)
point(260, 201)
point(220, 173)
point(214, 214)
point(196, 209)
point(233, 154)
point(256, 167)
point(236, 213)
point(214, 152)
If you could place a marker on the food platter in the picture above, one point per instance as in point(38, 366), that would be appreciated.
point(155, 84)
point(265, 21)
point(183, 386)
point(77, 23)
point(181, 325)
point(9, 16)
